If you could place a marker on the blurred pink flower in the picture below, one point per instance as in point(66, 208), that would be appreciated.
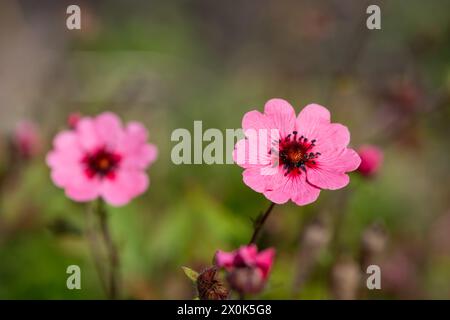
point(26, 139)
point(247, 269)
point(102, 158)
point(440, 235)
point(371, 160)
point(305, 154)
point(246, 257)
point(400, 274)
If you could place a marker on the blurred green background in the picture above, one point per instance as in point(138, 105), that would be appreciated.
point(168, 64)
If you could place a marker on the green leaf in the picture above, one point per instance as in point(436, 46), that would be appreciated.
point(191, 274)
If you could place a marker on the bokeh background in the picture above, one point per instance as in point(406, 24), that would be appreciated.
point(168, 63)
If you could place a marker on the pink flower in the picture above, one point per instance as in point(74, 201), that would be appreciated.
point(246, 257)
point(295, 157)
point(247, 270)
point(102, 158)
point(26, 139)
point(371, 160)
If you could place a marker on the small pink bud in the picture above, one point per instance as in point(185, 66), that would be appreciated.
point(73, 119)
point(26, 139)
point(371, 160)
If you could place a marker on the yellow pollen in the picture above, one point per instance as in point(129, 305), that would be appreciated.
point(295, 155)
point(103, 164)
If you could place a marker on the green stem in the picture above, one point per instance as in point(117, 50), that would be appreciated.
point(339, 223)
point(94, 246)
point(113, 256)
point(260, 223)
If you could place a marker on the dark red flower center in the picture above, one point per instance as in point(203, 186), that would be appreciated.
point(295, 153)
point(101, 163)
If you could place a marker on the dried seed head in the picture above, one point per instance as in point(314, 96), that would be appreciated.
point(209, 287)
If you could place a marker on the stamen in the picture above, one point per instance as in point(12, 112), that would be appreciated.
point(295, 155)
point(101, 163)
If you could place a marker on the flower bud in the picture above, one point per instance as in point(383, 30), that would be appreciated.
point(26, 139)
point(371, 160)
point(73, 119)
point(209, 287)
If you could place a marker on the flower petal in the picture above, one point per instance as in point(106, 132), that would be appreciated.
point(109, 128)
point(264, 261)
point(140, 158)
point(281, 188)
point(253, 154)
point(281, 115)
point(126, 185)
point(331, 168)
point(311, 119)
point(81, 188)
point(255, 120)
point(224, 259)
point(138, 153)
point(57, 158)
point(67, 141)
point(63, 176)
point(246, 256)
point(252, 177)
point(295, 188)
point(304, 192)
point(87, 135)
point(148, 154)
point(332, 137)
point(327, 179)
